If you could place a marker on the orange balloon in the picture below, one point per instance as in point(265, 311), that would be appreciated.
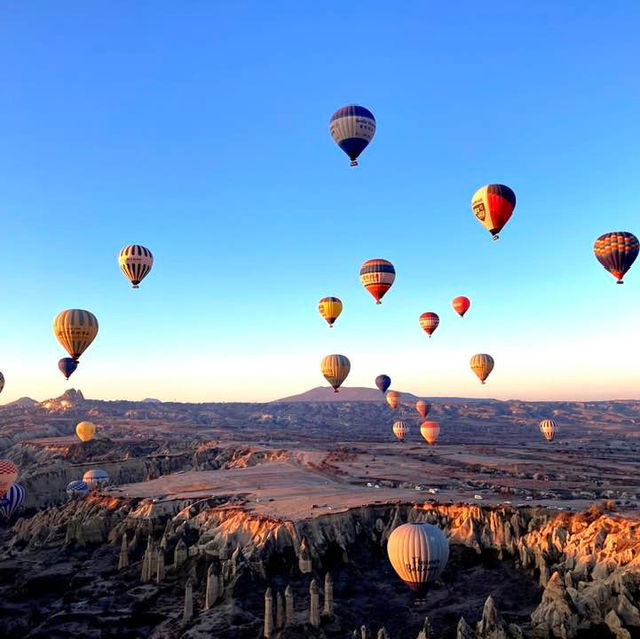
point(430, 431)
point(393, 397)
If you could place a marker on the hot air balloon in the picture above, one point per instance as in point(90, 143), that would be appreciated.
point(8, 475)
point(418, 553)
point(335, 368)
point(95, 478)
point(482, 365)
point(429, 322)
point(383, 382)
point(85, 431)
point(493, 205)
point(461, 305)
point(430, 431)
point(75, 329)
point(12, 500)
point(393, 397)
point(423, 408)
point(1, 382)
point(352, 128)
point(67, 366)
point(330, 308)
point(377, 276)
point(77, 488)
point(135, 262)
point(617, 252)
point(548, 428)
point(400, 429)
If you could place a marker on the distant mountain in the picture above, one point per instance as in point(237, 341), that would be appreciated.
point(24, 402)
point(363, 394)
point(151, 400)
point(348, 394)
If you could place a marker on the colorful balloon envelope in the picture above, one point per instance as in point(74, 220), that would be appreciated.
point(548, 428)
point(482, 365)
point(1, 382)
point(429, 322)
point(418, 553)
point(85, 431)
point(330, 308)
point(352, 127)
point(67, 366)
point(95, 478)
point(377, 276)
point(135, 262)
point(383, 382)
point(8, 475)
point(77, 488)
point(393, 397)
point(430, 431)
point(75, 329)
point(12, 500)
point(400, 429)
point(335, 369)
point(617, 252)
point(493, 205)
point(423, 408)
point(461, 305)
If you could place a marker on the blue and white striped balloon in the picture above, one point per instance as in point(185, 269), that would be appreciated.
point(12, 500)
point(77, 488)
point(352, 127)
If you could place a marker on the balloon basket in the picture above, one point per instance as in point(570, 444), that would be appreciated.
point(354, 162)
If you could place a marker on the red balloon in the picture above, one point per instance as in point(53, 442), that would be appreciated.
point(461, 305)
point(429, 322)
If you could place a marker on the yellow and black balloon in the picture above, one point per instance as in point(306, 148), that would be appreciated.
point(330, 309)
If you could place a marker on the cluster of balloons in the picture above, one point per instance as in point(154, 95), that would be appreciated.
point(76, 328)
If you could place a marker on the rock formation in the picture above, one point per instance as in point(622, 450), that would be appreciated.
point(188, 603)
point(314, 604)
point(159, 566)
point(268, 614)
point(288, 597)
point(328, 595)
point(123, 558)
point(213, 591)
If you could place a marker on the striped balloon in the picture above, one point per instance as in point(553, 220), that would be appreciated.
point(429, 322)
point(352, 127)
point(400, 429)
point(8, 475)
point(12, 500)
point(418, 553)
point(95, 478)
point(423, 408)
point(482, 365)
point(548, 428)
point(77, 488)
point(1, 382)
point(430, 431)
point(617, 252)
point(393, 397)
point(75, 329)
point(377, 276)
point(461, 305)
point(493, 205)
point(135, 262)
point(330, 308)
point(335, 368)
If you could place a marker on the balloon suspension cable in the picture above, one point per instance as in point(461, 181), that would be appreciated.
point(378, 302)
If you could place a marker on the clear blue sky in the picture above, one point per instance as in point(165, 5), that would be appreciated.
point(200, 129)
